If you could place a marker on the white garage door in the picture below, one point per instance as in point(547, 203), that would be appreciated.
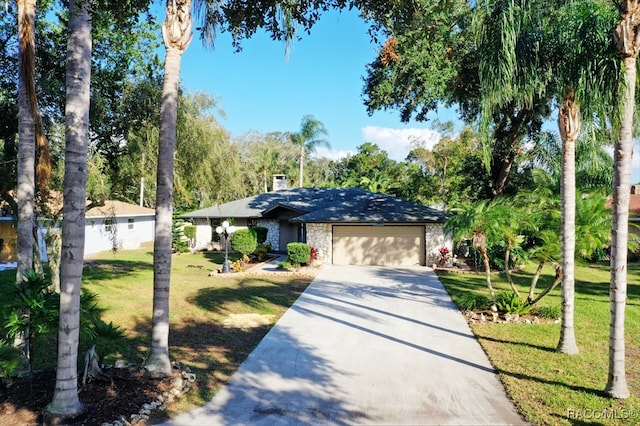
point(378, 245)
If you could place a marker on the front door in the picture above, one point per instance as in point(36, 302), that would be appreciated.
point(288, 234)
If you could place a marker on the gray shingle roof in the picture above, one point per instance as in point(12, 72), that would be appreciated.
point(351, 205)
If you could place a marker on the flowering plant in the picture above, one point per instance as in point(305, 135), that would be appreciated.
point(313, 253)
point(444, 255)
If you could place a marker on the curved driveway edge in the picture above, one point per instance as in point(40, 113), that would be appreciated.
point(364, 345)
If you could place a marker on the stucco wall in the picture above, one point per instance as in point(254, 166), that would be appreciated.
point(203, 234)
point(319, 235)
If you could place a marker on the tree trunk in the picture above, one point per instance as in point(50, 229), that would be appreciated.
point(177, 36)
point(616, 380)
point(534, 282)
point(27, 137)
point(54, 247)
point(65, 401)
point(480, 243)
point(26, 151)
point(507, 271)
point(569, 125)
point(627, 41)
point(487, 270)
point(549, 289)
point(301, 179)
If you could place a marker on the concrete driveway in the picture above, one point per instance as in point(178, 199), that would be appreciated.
point(364, 345)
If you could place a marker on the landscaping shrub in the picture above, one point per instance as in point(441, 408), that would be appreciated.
point(262, 250)
point(548, 311)
point(178, 243)
point(109, 339)
point(261, 232)
point(237, 265)
point(473, 301)
point(244, 241)
point(298, 253)
point(508, 302)
point(10, 360)
point(285, 264)
point(190, 233)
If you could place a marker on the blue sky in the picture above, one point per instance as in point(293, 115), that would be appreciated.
point(260, 89)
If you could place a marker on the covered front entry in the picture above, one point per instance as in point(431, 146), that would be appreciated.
point(392, 245)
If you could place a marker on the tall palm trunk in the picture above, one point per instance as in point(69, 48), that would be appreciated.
point(479, 242)
point(627, 40)
point(26, 150)
point(78, 80)
point(569, 126)
point(177, 36)
point(301, 179)
point(27, 136)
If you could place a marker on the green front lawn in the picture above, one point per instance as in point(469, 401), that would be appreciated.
point(553, 388)
point(201, 305)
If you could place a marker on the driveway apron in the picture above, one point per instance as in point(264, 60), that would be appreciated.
point(364, 345)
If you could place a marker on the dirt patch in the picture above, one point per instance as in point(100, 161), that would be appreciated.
point(247, 320)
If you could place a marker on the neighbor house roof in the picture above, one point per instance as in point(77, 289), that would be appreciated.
point(328, 205)
point(119, 208)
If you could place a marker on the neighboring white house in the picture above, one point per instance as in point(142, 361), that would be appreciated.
point(118, 225)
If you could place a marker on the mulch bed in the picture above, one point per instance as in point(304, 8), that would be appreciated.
point(23, 401)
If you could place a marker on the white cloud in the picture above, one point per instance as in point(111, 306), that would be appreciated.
point(398, 142)
point(331, 154)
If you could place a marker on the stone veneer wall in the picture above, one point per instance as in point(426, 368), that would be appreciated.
point(319, 235)
point(434, 239)
point(273, 232)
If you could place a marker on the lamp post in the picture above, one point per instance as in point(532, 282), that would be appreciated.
point(225, 231)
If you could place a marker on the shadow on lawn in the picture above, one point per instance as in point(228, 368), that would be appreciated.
point(113, 269)
point(580, 389)
point(513, 342)
point(249, 293)
point(217, 257)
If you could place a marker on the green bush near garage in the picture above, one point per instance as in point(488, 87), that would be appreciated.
point(298, 253)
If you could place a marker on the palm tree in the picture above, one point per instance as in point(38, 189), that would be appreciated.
point(308, 139)
point(26, 147)
point(78, 78)
point(26, 150)
point(31, 133)
point(554, 52)
point(627, 39)
point(482, 223)
point(569, 124)
point(177, 36)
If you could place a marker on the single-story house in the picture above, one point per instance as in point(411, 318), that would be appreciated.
point(345, 225)
point(114, 224)
point(119, 225)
